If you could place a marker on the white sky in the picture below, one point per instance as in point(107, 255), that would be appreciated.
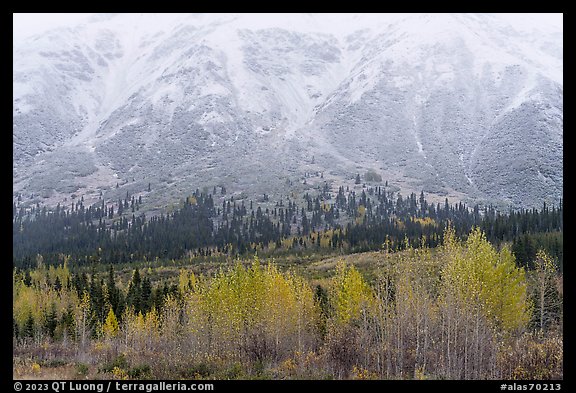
point(27, 24)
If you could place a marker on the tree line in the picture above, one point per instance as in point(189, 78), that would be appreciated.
point(347, 222)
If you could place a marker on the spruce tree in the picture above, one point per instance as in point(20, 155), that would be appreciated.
point(133, 297)
point(28, 330)
point(15, 328)
point(67, 321)
point(51, 321)
point(113, 292)
point(96, 302)
point(146, 295)
point(27, 278)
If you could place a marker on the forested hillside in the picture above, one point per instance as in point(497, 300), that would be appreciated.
point(356, 285)
point(346, 221)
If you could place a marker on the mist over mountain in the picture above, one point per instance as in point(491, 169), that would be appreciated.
point(468, 106)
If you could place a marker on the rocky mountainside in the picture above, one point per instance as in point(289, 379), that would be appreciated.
point(461, 105)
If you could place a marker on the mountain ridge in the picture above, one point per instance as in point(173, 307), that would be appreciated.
point(451, 104)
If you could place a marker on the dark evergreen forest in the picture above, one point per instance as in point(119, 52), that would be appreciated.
point(347, 221)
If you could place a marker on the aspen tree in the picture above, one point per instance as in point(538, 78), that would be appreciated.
point(82, 318)
point(110, 327)
point(350, 294)
point(546, 295)
point(483, 295)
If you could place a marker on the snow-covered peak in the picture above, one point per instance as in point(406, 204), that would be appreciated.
point(123, 88)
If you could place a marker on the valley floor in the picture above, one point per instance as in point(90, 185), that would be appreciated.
point(415, 314)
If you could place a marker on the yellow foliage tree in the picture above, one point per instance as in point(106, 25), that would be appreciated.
point(477, 275)
point(361, 214)
point(545, 288)
point(82, 315)
point(350, 294)
point(256, 303)
point(110, 327)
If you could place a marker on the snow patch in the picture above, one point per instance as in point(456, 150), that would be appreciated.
point(213, 117)
point(172, 92)
point(417, 137)
point(524, 94)
point(213, 89)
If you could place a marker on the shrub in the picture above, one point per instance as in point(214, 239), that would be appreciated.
point(81, 369)
point(372, 176)
point(139, 372)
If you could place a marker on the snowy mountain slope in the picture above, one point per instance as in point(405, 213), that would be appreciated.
point(446, 103)
point(429, 103)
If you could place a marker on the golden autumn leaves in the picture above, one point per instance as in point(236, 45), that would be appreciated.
point(421, 314)
point(476, 276)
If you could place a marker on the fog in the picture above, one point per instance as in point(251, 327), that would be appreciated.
point(28, 24)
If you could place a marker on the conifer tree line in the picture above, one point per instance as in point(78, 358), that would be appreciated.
point(347, 221)
point(463, 310)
